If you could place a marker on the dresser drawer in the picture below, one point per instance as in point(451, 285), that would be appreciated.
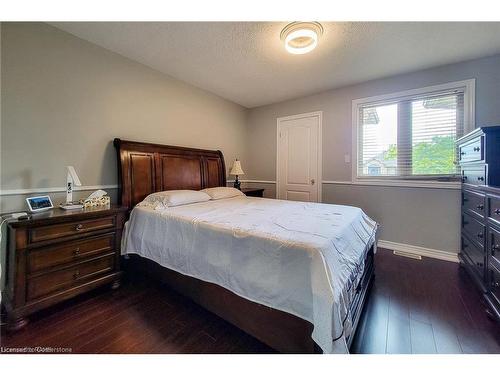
point(60, 230)
point(48, 283)
point(474, 256)
point(494, 282)
point(71, 251)
point(494, 208)
point(473, 202)
point(494, 246)
point(475, 175)
point(472, 151)
point(474, 229)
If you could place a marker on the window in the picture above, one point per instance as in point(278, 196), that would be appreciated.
point(409, 137)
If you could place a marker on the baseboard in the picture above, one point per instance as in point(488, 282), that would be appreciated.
point(417, 250)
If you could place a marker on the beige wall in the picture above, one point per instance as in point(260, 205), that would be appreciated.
point(417, 216)
point(64, 100)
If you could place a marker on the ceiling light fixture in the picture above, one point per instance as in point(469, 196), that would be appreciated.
point(301, 37)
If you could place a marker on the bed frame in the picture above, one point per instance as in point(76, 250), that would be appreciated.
point(145, 168)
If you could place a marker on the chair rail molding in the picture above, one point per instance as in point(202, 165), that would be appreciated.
point(6, 192)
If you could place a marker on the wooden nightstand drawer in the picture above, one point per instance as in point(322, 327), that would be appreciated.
point(256, 192)
point(51, 282)
point(68, 252)
point(50, 232)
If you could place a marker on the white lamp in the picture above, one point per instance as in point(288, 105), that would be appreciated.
point(71, 179)
point(237, 171)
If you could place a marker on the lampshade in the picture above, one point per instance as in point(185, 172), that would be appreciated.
point(236, 169)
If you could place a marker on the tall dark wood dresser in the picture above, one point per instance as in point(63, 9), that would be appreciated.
point(479, 159)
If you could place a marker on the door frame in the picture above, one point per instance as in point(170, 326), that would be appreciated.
point(279, 120)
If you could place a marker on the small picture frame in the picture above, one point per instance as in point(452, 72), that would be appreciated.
point(40, 203)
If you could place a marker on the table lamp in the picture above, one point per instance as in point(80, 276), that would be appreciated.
point(237, 171)
point(71, 179)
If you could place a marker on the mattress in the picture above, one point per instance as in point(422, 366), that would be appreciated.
point(300, 258)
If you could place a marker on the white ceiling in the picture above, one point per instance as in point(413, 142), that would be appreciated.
point(246, 62)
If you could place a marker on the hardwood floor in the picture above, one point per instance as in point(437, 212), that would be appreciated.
point(426, 306)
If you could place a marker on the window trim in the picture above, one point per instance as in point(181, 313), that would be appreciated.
point(469, 88)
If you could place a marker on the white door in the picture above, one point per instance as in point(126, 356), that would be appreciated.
point(299, 158)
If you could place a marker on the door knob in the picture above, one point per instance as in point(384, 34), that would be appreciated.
point(312, 181)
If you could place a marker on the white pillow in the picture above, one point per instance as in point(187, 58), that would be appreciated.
point(172, 198)
point(222, 192)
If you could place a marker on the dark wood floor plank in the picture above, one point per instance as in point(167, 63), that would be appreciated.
point(371, 337)
point(398, 329)
point(422, 338)
point(426, 306)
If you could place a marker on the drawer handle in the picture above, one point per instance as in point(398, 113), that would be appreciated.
point(495, 248)
point(497, 211)
point(495, 284)
point(480, 235)
point(462, 153)
point(480, 206)
point(480, 178)
point(77, 251)
point(79, 227)
point(476, 149)
point(479, 264)
point(76, 274)
point(464, 178)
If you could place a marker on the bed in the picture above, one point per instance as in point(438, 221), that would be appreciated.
point(294, 275)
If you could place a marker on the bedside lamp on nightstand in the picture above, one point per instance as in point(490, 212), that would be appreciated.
point(237, 171)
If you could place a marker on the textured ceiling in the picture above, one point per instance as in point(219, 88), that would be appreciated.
point(246, 62)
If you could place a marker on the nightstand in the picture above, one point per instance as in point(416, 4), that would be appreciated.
point(253, 192)
point(57, 255)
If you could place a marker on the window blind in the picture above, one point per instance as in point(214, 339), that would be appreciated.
point(410, 137)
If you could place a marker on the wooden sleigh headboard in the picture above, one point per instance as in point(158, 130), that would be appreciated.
point(145, 168)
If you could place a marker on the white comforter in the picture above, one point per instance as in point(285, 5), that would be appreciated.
point(301, 258)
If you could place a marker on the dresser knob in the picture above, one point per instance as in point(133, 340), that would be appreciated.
point(480, 234)
point(76, 274)
point(479, 264)
point(464, 179)
point(480, 206)
point(462, 153)
point(77, 251)
point(497, 211)
point(79, 227)
point(480, 178)
point(476, 148)
point(495, 248)
point(495, 284)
